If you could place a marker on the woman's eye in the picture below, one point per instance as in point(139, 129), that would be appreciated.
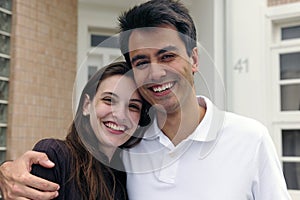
point(135, 107)
point(108, 100)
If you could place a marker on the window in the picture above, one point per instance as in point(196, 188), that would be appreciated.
point(5, 29)
point(102, 50)
point(291, 157)
point(285, 71)
point(105, 49)
point(285, 98)
point(290, 81)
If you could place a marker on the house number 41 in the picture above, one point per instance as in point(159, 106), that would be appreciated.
point(242, 65)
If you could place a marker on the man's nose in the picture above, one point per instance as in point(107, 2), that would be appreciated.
point(156, 71)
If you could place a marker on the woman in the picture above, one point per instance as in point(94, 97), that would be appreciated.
point(109, 112)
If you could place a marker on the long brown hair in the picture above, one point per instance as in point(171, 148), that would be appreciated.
point(87, 170)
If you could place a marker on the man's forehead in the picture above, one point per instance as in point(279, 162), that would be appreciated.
point(152, 38)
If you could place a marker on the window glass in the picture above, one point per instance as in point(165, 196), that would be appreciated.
point(6, 4)
point(290, 32)
point(2, 136)
point(291, 148)
point(291, 172)
point(290, 66)
point(4, 44)
point(3, 90)
point(3, 113)
point(291, 142)
point(290, 97)
point(2, 156)
point(4, 67)
point(5, 22)
point(104, 41)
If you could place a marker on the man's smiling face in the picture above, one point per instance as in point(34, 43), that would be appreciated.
point(162, 68)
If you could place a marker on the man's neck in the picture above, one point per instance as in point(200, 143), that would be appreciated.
point(178, 125)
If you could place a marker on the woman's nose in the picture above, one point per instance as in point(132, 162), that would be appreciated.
point(120, 113)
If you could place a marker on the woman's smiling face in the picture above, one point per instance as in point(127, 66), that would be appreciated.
point(115, 111)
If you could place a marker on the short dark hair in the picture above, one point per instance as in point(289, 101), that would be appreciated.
point(156, 13)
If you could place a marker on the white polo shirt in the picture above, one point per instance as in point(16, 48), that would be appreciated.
point(228, 157)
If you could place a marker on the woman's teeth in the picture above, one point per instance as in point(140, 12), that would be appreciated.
point(115, 126)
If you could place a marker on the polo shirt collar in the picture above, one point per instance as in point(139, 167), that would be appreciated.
point(207, 130)
point(153, 131)
point(211, 123)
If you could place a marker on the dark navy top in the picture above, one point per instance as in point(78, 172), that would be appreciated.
point(58, 153)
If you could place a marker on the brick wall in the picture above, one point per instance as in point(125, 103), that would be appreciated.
point(43, 69)
point(280, 2)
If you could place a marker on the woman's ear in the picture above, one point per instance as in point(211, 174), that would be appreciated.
point(86, 105)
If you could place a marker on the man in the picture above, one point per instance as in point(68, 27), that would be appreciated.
point(192, 150)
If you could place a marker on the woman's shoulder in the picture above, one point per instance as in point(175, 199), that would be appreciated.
point(50, 142)
point(56, 150)
point(51, 145)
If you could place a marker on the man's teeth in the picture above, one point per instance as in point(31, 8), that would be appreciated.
point(115, 126)
point(162, 87)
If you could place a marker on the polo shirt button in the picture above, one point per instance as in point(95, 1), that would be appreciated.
point(172, 154)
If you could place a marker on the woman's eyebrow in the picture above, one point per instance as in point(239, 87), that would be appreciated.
point(137, 100)
point(115, 95)
point(110, 93)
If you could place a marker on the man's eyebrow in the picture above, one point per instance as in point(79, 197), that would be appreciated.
point(160, 51)
point(137, 57)
point(166, 49)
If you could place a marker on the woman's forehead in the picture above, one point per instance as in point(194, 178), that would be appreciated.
point(120, 85)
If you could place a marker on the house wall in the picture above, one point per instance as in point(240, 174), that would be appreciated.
point(209, 19)
point(43, 67)
point(248, 75)
point(246, 71)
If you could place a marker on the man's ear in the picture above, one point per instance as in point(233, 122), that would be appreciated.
point(86, 105)
point(194, 59)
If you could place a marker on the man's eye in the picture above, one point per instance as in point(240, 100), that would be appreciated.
point(167, 57)
point(141, 64)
